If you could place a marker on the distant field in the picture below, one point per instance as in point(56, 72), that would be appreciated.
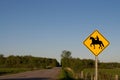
point(4, 71)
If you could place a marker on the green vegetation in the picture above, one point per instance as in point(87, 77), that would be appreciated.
point(68, 61)
point(14, 64)
point(103, 74)
point(103, 71)
point(27, 62)
point(65, 75)
point(13, 70)
point(76, 65)
point(71, 67)
point(109, 65)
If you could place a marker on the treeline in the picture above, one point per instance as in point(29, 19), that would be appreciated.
point(109, 65)
point(78, 64)
point(27, 62)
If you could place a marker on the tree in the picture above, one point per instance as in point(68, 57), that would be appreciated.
point(66, 54)
point(27, 62)
point(2, 60)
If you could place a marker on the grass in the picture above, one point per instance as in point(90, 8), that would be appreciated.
point(65, 75)
point(104, 73)
point(4, 71)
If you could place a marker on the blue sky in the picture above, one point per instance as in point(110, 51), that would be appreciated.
point(47, 27)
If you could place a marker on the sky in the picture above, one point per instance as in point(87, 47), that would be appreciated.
point(44, 28)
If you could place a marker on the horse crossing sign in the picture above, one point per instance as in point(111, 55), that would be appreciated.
point(96, 42)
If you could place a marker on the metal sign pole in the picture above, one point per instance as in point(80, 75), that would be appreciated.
point(96, 67)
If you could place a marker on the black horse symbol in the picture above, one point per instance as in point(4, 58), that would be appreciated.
point(95, 42)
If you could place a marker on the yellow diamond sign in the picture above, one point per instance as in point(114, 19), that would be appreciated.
point(96, 42)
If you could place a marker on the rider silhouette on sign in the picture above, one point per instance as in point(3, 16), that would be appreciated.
point(96, 41)
point(97, 38)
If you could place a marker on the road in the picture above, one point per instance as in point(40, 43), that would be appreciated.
point(46, 74)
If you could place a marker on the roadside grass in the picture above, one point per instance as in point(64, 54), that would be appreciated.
point(115, 71)
point(65, 75)
point(104, 73)
point(4, 71)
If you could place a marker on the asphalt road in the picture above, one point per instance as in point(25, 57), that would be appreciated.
point(46, 74)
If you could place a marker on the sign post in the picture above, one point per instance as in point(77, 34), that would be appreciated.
point(96, 43)
point(96, 67)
